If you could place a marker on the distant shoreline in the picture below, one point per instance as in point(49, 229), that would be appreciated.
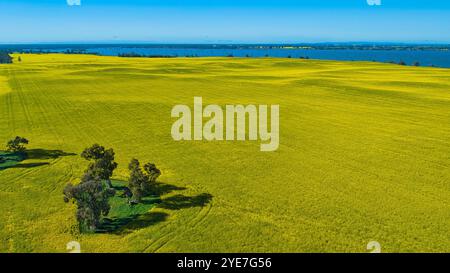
point(417, 55)
point(287, 46)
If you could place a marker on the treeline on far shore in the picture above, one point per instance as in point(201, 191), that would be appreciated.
point(137, 55)
point(5, 58)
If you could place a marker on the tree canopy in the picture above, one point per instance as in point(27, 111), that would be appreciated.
point(102, 162)
point(91, 197)
point(141, 179)
point(17, 144)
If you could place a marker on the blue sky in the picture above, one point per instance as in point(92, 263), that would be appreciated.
point(224, 21)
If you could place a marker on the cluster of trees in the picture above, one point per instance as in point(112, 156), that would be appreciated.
point(404, 63)
point(91, 197)
point(102, 164)
point(38, 52)
point(141, 180)
point(92, 194)
point(5, 58)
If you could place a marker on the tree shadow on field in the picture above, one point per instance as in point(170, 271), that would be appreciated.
point(10, 160)
point(28, 165)
point(179, 201)
point(138, 220)
point(128, 224)
point(46, 154)
point(163, 189)
point(158, 188)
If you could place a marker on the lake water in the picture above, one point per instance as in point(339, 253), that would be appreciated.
point(439, 58)
point(424, 57)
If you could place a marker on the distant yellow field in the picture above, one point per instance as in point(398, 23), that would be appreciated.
point(364, 154)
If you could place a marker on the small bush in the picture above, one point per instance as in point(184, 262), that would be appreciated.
point(17, 144)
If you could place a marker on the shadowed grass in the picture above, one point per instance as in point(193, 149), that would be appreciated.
point(124, 217)
point(13, 160)
point(10, 160)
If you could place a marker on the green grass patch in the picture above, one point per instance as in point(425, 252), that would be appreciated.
point(123, 216)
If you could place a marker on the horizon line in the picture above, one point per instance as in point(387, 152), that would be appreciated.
point(220, 43)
